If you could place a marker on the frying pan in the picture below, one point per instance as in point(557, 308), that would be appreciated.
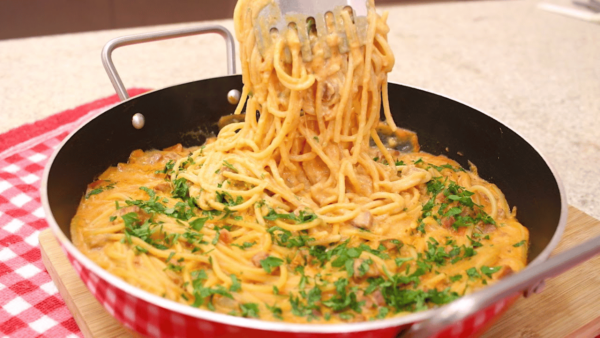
point(187, 113)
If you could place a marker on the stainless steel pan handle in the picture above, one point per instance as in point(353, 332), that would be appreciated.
point(156, 36)
point(533, 275)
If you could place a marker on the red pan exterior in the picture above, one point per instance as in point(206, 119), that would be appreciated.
point(151, 320)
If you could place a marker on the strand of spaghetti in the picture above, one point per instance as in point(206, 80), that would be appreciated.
point(372, 205)
point(257, 275)
point(342, 182)
point(353, 233)
point(334, 207)
point(249, 225)
point(304, 157)
point(243, 206)
point(105, 230)
point(389, 209)
point(217, 270)
point(343, 218)
point(319, 108)
point(243, 193)
point(406, 182)
point(243, 178)
point(370, 167)
point(295, 84)
point(386, 106)
point(490, 196)
point(287, 126)
point(356, 150)
point(159, 253)
point(144, 283)
point(317, 148)
point(382, 148)
point(343, 101)
point(271, 106)
point(298, 227)
point(154, 272)
point(101, 218)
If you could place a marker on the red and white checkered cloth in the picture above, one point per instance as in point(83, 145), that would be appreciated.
point(30, 305)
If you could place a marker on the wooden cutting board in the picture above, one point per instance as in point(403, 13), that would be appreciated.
point(568, 307)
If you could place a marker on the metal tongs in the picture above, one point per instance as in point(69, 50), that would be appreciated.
point(587, 11)
point(307, 15)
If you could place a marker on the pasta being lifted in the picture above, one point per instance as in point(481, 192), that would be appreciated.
point(302, 212)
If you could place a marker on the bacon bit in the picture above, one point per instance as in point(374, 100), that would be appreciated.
point(225, 236)
point(488, 228)
point(372, 272)
point(316, 313)
point(97, 183)
point(388, 244)
point(360, 297)
point(136, 153)
point(172, 156)
point(299, 259)
point(97, 242)
point(364, 220)
point(328, 91)
point(259, 257)
point(377, 298)
point(371, 300)
point(506, 271)
point(142, 215)
point(176, 148)
point(164, 187)
point(448, 221)
point(155, 158)
point(224, 302)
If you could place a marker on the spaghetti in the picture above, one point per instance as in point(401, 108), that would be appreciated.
point(302, 213)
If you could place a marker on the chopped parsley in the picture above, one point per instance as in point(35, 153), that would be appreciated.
point(382, 312)
point(472, 273)
point(486, 270)
point(203, 294)
point(343, 299)
point(181, 189)
point(244, 246)
point(140, 250)
point(226, 198)
point(230, 166)
point(516, 245)
point(270, 263)
point(168, 168)
point(442, 167)
point(100, 189)
point(455, 278)
point(303, 216)
point(286, 239)
point(235, 284)
point(275, 311)
point(198, 223)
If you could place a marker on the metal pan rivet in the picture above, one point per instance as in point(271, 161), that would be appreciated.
point(138, 120)
point(234, 96)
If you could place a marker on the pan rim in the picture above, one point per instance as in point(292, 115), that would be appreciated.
point(267, 325)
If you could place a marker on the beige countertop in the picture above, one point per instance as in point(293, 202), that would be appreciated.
point(537, 72)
